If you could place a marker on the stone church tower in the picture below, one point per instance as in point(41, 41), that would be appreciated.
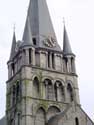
point(42, 87)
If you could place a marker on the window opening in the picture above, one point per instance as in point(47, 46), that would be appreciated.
point(53, 64)
point(70, 90)
point(76, 121)
point(48, 59)
point(13, 69)
point(34, 41)
point(30, 56)
point(14, 99)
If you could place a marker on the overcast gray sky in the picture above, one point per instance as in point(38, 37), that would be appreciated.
point(79, 20)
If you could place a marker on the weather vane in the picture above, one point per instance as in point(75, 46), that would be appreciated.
point(14, 27)
point(63, 20)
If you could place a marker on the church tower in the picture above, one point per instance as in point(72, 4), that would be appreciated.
point(42, 79)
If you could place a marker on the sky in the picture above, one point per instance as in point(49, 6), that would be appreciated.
point(79, 21)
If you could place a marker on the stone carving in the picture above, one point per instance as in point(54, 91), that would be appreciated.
point(49, 42)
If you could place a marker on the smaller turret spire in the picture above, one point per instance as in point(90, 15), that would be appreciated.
point(27, 38)
point(13, 45)
point(66, 44)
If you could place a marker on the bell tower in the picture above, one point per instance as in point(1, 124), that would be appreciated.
point(42, 79)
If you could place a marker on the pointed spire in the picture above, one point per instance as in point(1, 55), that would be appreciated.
point(27, 37)
point(13, 45)
point(66, 44)
point(40, 24)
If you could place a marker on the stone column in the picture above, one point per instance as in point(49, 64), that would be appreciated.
point(46, 92)
point(66, 94)
point(61, 61)
point(73, 66)
point(53, 90)
point(46, 59)
point(9, 71)
point(27, 57)
point(54, 61)
point(50, 60)
point(23, 57)
point(40, 56)
point(58, 93)
point(33, 56)
point(69, 65)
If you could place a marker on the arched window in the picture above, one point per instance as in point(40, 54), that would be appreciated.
point(19, 117)
point(59, 91)
point(52, 111)
point(53, 61)
point(36, 87)
point(70, 92)
point(14, 95)
point(18, 91)
point(76, 121)
point(49, 89)
point(40, 117)
point(13, 68)
point(65, 61)
point(48, 59)
point(30, 57)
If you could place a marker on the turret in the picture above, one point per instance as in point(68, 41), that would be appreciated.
point(69, 57)
point(11, 66)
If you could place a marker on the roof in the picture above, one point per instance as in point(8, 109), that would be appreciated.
point(66, 44)
point(13, 46)
point(39, 26)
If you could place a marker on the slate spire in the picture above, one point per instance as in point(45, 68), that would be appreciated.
point(40, 25)
point(27, 38)
point(66, 44)
point(13, 46)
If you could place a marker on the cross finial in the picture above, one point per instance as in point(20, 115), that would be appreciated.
point(63, 20)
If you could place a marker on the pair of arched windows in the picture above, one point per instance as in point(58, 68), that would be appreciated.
point(42, 116)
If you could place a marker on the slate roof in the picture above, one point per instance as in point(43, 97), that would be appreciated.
point(13, 46)
point(39, 25)
point(66, 44)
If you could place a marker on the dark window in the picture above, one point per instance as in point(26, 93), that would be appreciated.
point(53, 64)
point(13, 69)
point(70, 91)
point(76, 121)
point(14, 95)
point(36, 87)
point(49, 59)
point(18, 91)
point(30, 56)
point(34, 41)
point(19, 118)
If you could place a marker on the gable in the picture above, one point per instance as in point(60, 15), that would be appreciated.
point(73, 116)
